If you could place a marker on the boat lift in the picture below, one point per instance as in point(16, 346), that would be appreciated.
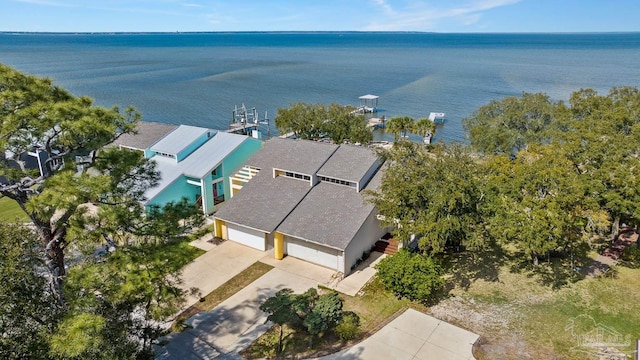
point(368, 104)
point(246, 122)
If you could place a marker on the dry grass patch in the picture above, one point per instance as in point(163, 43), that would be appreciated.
point(225, 291)
point(375, 305)
point(521, 315)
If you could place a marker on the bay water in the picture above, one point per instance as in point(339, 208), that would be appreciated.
point(198, 78)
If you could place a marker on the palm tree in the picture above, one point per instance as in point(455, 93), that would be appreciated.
point(424, 127)
point(399, 125)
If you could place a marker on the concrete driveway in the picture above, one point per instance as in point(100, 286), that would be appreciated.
point(238, 321)
point(413, 336)
point(217, 266)
point(234, 324)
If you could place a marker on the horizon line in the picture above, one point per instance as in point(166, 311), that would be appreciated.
point(316, 32)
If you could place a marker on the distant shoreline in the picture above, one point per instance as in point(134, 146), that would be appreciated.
point(284, 32)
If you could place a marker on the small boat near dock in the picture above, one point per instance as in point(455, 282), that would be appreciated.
point(435, 116)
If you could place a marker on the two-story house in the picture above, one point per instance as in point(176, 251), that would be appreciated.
point(304, 199)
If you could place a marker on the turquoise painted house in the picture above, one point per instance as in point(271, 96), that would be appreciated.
point(194, 162)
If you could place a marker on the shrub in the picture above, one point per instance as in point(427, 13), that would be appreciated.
point(631, 254)
point(326, 312)
point(349, 326)
point(410, 275)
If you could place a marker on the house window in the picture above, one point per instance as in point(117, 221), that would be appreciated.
point(293, 175)
point(338, 181)
point(165, 154)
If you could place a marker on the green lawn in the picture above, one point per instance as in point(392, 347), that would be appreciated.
point(10, 211)
point(519, 313)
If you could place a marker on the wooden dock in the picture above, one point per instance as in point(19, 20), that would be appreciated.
point(241, 128)
point(377, 123)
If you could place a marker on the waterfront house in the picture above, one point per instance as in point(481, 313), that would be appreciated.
point(304, 199)
point(37, 159)
point(194, 162)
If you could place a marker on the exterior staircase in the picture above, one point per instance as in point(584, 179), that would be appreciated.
point(241, 178)
point(387, 245)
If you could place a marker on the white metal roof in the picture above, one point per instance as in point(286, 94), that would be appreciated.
point(198, 164)
point(211, 154)
point(179, 139)
point(169, 172)
point(369, 97)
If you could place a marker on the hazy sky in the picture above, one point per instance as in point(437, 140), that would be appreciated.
point(320, 15)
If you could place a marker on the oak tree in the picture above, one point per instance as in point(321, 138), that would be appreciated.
point(434, 196)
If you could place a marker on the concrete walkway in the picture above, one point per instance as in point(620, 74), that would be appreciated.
point(354, 282)
point(350, 285)
point(413, 336)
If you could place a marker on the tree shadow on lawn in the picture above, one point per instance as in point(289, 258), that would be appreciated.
point(468, 266)
point(296, 343)
point(558, 269)
point(464, 268)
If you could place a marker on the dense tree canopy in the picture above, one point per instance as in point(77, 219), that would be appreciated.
point(537, 202)
point(423, 127)
point(602, 140)
point(509, 125)
point(547, 178)
point(399, 126)
point(409, 275)
point(435, 196)
point(38, 116)
point(87, 196)
point(317, 121)
point(317, 313)
point(29, 311)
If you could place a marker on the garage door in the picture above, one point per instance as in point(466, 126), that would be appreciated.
point(312, 253)
point(248, 237)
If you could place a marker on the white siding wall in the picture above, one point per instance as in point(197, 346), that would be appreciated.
point(365, 239)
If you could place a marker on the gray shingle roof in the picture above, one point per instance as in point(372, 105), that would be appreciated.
point(330, 215)
point(264, 201)
point(301, 156)
point(327, 214)
point(376, 180)
point(349, 163)
point(148, 134)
